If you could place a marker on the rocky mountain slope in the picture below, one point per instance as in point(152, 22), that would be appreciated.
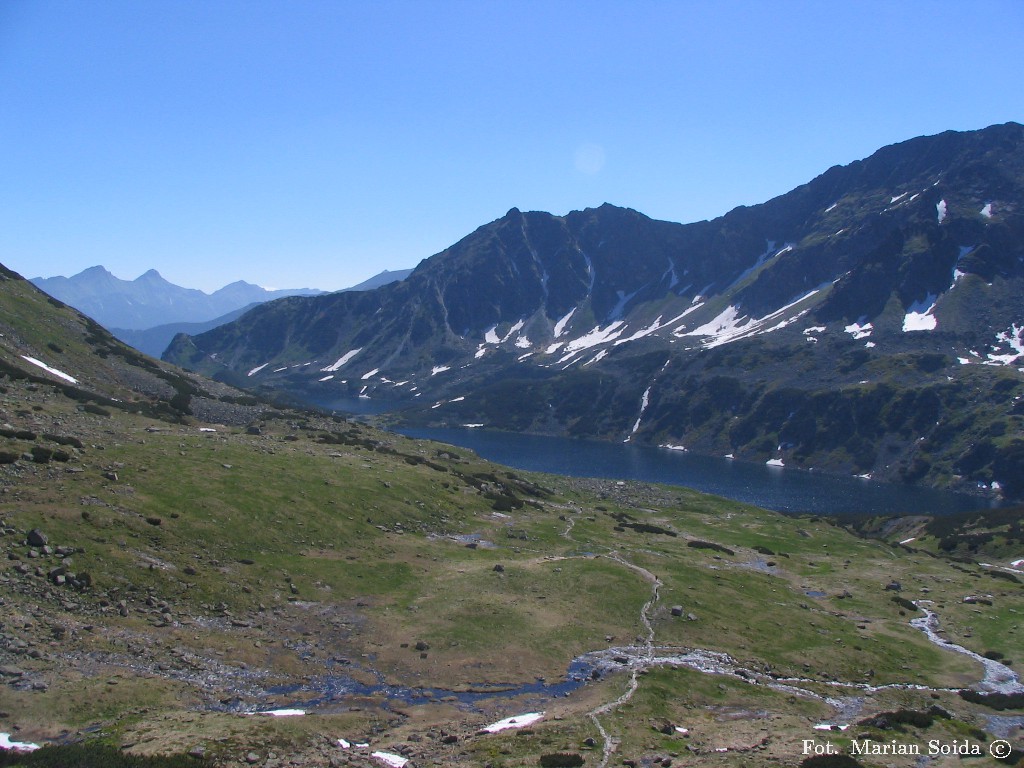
point(868, 322)
point(176, 557)
point(149, 300)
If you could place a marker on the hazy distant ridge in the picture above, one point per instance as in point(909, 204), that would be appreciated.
point(150, 300)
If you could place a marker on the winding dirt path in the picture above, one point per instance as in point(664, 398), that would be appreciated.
point(610, 744)
point(998, 677)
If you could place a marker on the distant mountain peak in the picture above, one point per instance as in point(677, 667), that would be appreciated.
point(96, 270)
point(150, 276)
point(243, 284)
point(150, 300)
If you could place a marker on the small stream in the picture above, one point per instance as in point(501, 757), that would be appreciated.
point(329, 689)
point(999, 678)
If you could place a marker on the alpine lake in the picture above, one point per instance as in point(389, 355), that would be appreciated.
point(778, 488)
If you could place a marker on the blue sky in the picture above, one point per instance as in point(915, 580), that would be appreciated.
point(308, 143)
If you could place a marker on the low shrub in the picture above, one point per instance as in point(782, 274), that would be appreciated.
point(710, 545)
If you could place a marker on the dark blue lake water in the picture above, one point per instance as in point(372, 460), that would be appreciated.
point(777, 488)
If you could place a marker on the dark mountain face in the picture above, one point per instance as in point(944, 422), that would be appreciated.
point(869, 321)
point(150, 300)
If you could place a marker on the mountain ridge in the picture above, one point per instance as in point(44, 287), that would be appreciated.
point(150, 300)
point(891, 284)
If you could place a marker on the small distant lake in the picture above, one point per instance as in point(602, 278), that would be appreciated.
point(776, 488)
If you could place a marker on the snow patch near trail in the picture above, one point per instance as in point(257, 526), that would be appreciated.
point(282, 712)
point(59, 373)
point(519, 721)
point(388, 758)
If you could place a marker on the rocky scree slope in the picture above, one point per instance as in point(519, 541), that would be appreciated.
point(867, 322)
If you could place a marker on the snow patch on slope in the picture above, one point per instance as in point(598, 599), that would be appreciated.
point(919, 316)
point(728, 322)
point(644, 402)
point(560, 325)
point(597, 336)
point(860, 329)
point(58, 373)
point(731, 326)
point(645, 331)
point(1011, 340)
point(342, 360)
point(957, 272)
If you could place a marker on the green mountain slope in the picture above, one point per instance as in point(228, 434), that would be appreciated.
point(164, 575)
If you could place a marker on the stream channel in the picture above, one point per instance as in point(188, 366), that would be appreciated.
point(775, 488)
